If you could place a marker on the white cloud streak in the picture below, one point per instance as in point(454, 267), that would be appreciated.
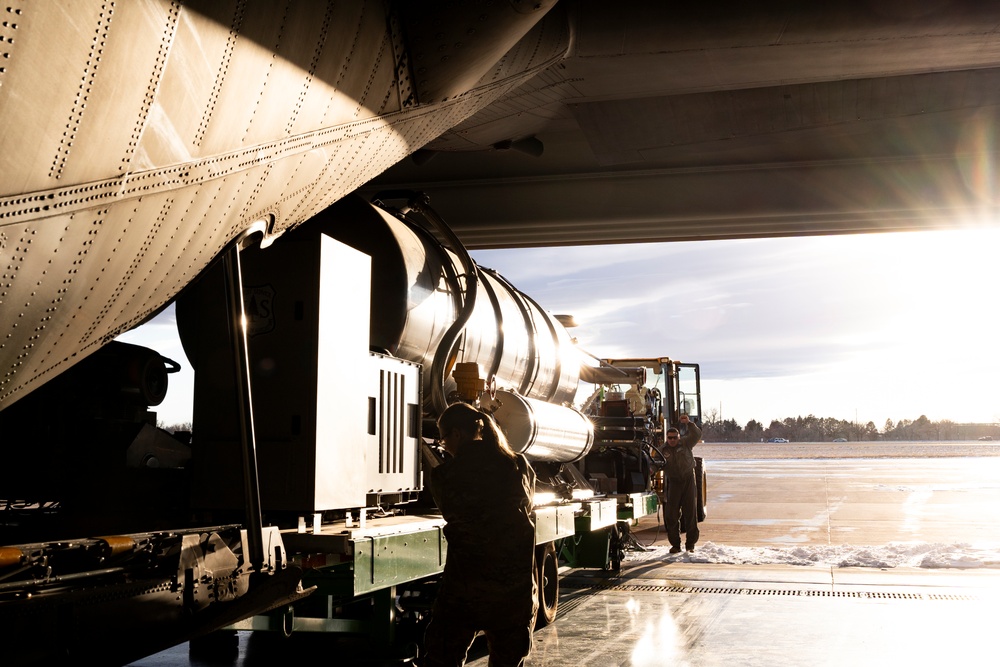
point(816, 324)
point(874, 327)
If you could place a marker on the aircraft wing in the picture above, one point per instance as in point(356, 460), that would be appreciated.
point(141, 139)
point(685, 121)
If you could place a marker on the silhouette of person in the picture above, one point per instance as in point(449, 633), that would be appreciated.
point(682, 488)
point(484, 491)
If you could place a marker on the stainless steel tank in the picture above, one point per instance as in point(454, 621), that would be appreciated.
point(543, 431)
point(418, 289)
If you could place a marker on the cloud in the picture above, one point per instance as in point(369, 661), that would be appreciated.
point(846, 311)
point(885, 325)
point(746, 307)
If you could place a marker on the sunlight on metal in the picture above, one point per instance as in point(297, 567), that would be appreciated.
point(544, 498)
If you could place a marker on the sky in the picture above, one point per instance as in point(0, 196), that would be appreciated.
point(855, 327)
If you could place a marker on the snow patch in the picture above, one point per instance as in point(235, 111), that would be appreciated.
point(894, 554)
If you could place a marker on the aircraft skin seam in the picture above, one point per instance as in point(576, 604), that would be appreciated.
point(152, 90)
point(83, 92)
point(221, 72)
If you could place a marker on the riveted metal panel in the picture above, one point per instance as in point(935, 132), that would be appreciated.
point(388, 560)
point(140, 138)
point(639, 505)
point(597, 514)
point(553, 523)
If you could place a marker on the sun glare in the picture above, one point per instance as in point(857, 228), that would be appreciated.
point(938, 354)
point(909, 325)
point(948, 278)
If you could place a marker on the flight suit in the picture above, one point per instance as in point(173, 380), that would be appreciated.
point(489, 581)
point(682, 489)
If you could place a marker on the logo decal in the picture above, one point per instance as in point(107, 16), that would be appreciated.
point(259, 305)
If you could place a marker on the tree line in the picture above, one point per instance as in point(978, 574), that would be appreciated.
point(828, 429)
point(817, 429)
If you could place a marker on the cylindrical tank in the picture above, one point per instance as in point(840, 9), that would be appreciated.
point(613, 375)
point(543, 431)
point(417, 288)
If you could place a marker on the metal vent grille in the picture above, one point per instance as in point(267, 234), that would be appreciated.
point(608, 586)
point(392, 418)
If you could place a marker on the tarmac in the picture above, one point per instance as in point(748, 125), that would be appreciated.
point(660, 610)
point(663, 609)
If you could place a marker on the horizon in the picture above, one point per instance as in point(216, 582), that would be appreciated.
point(779, 326)
point(799, 325)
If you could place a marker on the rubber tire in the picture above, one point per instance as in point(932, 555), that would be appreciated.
point(547, 577)
point(616, 548)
